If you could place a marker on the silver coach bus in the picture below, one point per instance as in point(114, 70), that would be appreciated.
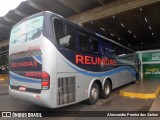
point(54, 63)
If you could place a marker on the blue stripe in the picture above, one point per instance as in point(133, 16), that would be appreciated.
point(111, 72)
point(10, 82)
point(38, 58)
point(22, 79)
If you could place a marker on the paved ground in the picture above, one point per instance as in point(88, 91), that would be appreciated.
point(114, 103)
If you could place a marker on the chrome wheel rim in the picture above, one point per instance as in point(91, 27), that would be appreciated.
point(107, 89)
point(94, 93)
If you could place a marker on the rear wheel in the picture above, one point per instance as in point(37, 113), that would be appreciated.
point(107, 90)
point(94, 94)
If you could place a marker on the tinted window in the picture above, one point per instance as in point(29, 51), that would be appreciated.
point(70, 32)
point(58, 25)
point(109, 49)
point(64, 33)
point(117, 50)
point(107, 46)
point(83, 42)
point(93, 43)
point(27, 31)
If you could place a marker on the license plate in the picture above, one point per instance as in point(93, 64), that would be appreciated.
point(22, 88)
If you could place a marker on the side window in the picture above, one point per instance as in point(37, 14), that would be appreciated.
point(121, 51)
point(64, 34)
point(70, 33)
point(117, 50)
point(108, 49)
point(83, 42)
point(58, 27)
point(93, 45)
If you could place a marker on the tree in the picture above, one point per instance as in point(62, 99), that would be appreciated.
point(3, 63)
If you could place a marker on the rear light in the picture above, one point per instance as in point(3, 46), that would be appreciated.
point(45, 84)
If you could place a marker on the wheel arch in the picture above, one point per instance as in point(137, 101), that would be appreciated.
point(107, 79)
point(96, 80)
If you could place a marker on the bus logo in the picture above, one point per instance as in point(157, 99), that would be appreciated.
point(80, 59)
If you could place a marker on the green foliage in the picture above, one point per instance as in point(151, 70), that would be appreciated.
point(3, 60)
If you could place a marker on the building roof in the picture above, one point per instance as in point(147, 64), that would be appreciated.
point(137, 28)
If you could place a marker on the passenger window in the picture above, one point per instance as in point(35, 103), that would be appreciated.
point(106, 48)
point(70, 33)
point(83, 42)
point(93, 45)
point(58, 26)
point(110, 50)
point(64, 34)
point(116, 50)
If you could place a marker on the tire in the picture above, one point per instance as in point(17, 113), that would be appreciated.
point(94, 94)
point(134, 82)
point(107, 90)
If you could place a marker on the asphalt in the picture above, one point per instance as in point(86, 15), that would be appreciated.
point(114, 103)
point(156, 104)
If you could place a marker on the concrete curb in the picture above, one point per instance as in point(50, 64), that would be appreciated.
point(140, 95)
point(3, 77)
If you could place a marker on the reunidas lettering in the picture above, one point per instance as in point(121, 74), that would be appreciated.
point(94, 60)
point(24, 64)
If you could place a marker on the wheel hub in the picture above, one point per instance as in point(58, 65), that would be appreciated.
point(94, 93)
point(107, 89)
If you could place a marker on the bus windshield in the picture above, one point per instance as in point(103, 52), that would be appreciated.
point(26, 31)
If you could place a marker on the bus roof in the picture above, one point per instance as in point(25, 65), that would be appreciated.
point(78, 26)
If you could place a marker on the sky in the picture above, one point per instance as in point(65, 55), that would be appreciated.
point(6, 5)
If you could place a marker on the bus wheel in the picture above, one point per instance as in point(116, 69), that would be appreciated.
point(94, 94)
point(107, 89)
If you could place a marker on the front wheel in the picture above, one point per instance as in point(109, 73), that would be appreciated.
point(94, 94)
point(107, 89)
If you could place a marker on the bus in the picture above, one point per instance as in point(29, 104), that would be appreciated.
point(54, 62)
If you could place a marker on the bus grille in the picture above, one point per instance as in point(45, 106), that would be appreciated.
point(25, 54)
point(66, 90)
